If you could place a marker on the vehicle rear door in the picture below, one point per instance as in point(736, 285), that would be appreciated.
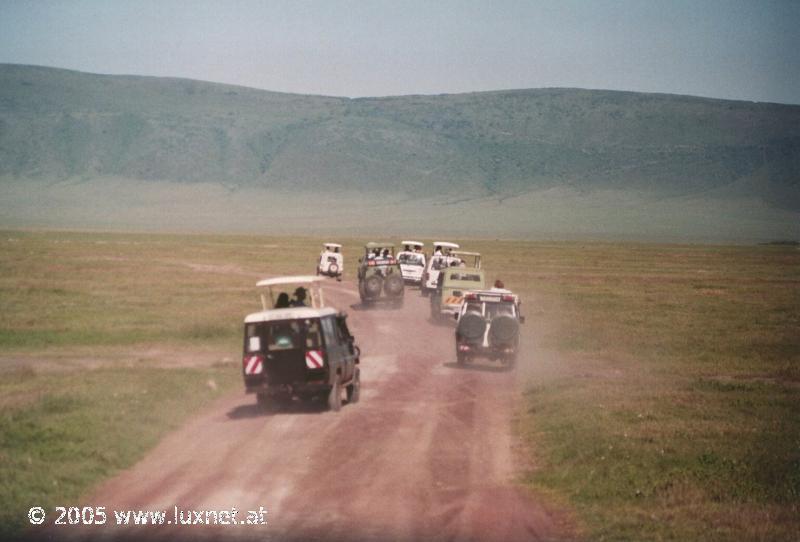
point(284, 345)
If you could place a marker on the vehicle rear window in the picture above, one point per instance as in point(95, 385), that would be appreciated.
point(287, 334)
point(493, 309)
point(411, 259)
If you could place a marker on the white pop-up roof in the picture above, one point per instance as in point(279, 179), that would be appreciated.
point(299, 279)
point(278, 285)
point(445, 244)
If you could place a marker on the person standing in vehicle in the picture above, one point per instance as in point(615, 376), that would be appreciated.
point(299, 298)
point(283, 301)
point(500, 287)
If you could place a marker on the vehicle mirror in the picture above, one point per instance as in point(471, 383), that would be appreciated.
point(455, 316)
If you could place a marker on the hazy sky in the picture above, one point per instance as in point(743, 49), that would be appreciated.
point(746, 50)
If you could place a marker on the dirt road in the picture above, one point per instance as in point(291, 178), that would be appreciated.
point(426, 453)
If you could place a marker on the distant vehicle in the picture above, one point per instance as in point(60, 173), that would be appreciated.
point(454, 282)
point(379, 276)
point(488, 326)
point(412, 261)
point(331, 262)
point(441, 258)
point(296, 347)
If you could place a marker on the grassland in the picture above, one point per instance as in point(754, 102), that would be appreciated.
point(665, 404)
point(126, 153)
point(662, 402)
point(81, 394)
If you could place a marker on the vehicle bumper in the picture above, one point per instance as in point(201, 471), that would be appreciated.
point(291, 389)
point(485, 351)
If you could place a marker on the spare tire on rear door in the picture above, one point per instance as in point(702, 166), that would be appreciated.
point(373, 285)
point(471, 326)
point(504, 330)
point(393, 285)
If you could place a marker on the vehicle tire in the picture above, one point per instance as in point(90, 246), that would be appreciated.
point(471, 326)
point(373, 286)
point(333, 269)
point(461, 358)
point(335, 397)
point(262, 400)
point(393, 286)
point(354, 389)
point(504, 330)
point(424, 291)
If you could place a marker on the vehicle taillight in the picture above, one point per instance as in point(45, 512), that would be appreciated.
point(371, 263)
point(507, 298)
point(463, 347)
point(253, 364)
point(471, 297)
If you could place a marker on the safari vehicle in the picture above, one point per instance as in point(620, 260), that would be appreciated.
point(441, 258)
point(454, 283)
point(412, 261)
point(303, 350)
point(331, 262)
point(379, 275)
point(488, 326)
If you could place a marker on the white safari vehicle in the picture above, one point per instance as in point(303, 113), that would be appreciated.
point(441, 258)
point(412, 261)
point(331, 262)
point(488, 326)
point(298, 348)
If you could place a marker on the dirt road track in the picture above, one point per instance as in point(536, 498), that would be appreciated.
point(426, 454)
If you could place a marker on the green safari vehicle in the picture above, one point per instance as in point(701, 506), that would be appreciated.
point(380, 278)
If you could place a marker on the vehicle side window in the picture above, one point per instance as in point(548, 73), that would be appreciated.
point(329, 329)
point(252, 337)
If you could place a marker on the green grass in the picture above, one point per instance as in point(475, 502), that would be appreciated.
point(664, 404)
point(105, 296)
point(63, 289)
point(673, 411)
point(61, 432)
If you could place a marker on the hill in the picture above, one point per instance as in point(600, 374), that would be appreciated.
point(148, 135)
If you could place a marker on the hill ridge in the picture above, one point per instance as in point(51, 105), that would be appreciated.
point(58, 124)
